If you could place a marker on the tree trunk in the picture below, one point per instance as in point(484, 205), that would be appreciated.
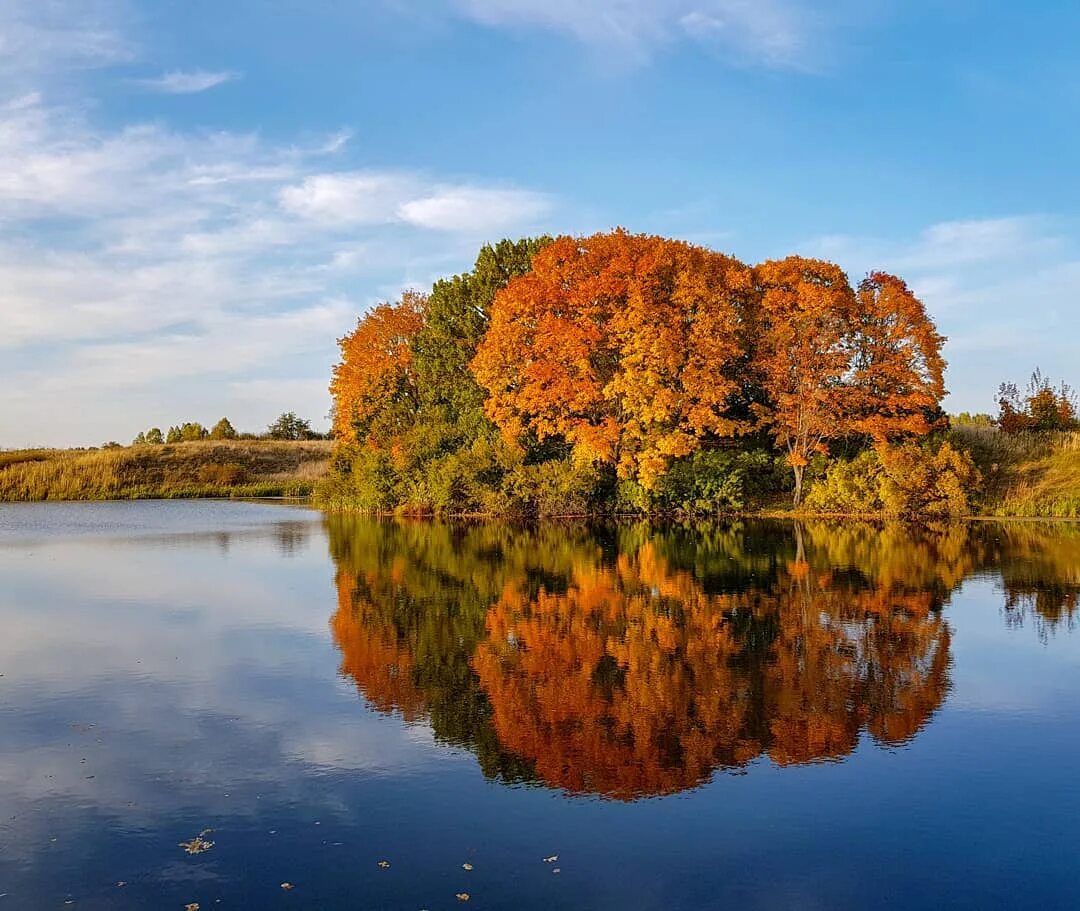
point(799, 469)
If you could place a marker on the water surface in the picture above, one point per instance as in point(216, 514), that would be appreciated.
point(750, 715)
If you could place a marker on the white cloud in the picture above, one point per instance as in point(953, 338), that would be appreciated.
point(143, 265)
point(355, 198)
point(39, 38)
point(373, 198)
point(474, 209)
point(178, 82)
point(775, 33)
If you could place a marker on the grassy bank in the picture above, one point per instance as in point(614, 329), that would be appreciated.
point(1028, 474)
point(197, 469)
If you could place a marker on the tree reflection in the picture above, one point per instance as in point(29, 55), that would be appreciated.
point(630, 660)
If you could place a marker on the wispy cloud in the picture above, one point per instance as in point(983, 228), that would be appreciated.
point(41, 38)
point(178, 82)
point(372, 197)
point(772, 33)
point(141, 264)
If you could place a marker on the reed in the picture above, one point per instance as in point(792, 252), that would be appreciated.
point(197, 469)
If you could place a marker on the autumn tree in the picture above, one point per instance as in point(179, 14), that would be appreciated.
point(898, 374)
point(835, 362)
point(1041, 407)
point(623, 345)
point(808, 318)
point(223, 430)
point(188, 432)
point(374, 385)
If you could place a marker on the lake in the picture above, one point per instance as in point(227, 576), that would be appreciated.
point(255, 706)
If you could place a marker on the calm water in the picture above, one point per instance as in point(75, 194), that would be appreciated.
point(747, 716)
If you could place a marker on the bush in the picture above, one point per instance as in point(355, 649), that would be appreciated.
point(560, 487)
point(716, 480)
point(849, 486)
point(910, 480)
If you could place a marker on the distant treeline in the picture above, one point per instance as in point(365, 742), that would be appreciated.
point(286, 427)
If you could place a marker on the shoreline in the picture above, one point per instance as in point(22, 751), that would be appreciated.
point(311, 501)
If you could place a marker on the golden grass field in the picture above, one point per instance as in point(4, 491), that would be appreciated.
point(247, 468)
point(1029, 474)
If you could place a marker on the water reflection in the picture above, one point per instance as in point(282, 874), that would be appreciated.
point(629, 661)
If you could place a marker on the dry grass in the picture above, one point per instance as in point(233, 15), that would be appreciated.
point(203, 469)
point(1031, 474)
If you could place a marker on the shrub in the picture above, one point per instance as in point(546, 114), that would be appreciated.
point(849, 486)
point(714, 480)
point(557, 487)
point(909, 480)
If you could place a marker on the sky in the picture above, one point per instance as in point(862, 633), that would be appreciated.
point(198, 197)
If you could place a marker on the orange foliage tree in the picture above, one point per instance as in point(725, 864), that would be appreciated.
point(808, 315)
point(834, 362)
point(374, 387)
point(623, 345)
point(898, 373)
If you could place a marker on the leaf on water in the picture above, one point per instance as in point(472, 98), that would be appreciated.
point(198, 844)
point(466, 866)
point(191, 906)
point(463, 896)
point(384, 864)
point(288, 887)
point(552, 859)
point(557, 870)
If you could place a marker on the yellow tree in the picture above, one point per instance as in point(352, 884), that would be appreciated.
point(623, 345)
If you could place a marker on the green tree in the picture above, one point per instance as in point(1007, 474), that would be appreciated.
point(290, 427)
point(192, 431)
point(140, 439)
point(154, 437)
point(174, 435)
point(458, 313)
point(223, 430)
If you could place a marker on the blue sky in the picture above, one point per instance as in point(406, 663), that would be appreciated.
point(197, 198)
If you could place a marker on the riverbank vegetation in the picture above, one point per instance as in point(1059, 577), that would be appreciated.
point(631, 373)
point(211, 468)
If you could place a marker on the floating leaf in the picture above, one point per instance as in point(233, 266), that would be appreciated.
point(466, 866)
point(198, 844)
point(384, 864)
point(288, 887)
point(463, 896)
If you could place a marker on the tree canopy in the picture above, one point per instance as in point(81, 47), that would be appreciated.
point(621, 368)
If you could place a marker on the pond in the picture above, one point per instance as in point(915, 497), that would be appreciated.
point(255, 706)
